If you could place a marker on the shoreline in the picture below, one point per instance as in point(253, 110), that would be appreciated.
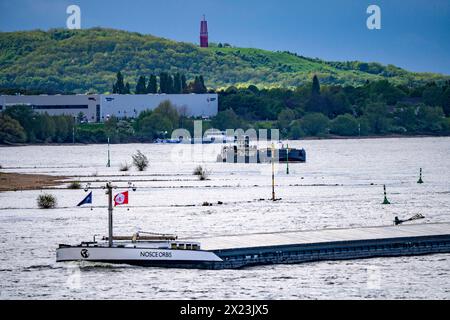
point(391, 136)
point(330, 137)
point(22, 182)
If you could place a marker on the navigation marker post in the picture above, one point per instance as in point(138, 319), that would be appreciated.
point(420, 177)
point(287, 158)
point(385, 201)
point(273, 172)
point(108, 164)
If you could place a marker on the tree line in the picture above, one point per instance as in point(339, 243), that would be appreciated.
point(376, 108)
point(165, 83)
point(20, 124)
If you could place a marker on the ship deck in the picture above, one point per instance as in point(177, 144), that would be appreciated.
point(290, 238)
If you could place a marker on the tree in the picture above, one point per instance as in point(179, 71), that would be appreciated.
point(446, 101)
point(141, 116)
point(296, 131)
point(155, 125)
point(253, 89)
point(227, 119)
point(62, 124)
point(170, 88)
point(26, 117)
point(141, 86)
point(337, 104)
point(119, 86)
point(318, 103)
point(202, 84)
point(198, 86)
point(10, 130)
point(384, 91)
point(285, 117)
point(127, 89)
point(184, 87)
point(430, 119)
point(315, 89)
point(432, 95)
point(163, 79)
point(177, 83)
point(169, 111)
point(315, 123)
point(46, 129)
point(152, 84)
point(345, 125)
point(376, 113)
point(405, 116)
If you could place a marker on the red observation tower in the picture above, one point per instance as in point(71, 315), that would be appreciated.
point(204, 33)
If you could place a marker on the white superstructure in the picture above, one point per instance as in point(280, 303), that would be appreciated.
point(145, 250)
point(98, 107)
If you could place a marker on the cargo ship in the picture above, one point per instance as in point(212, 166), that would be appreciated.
point(246, 250)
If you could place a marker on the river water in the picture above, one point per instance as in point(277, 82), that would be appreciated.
point(340, 186)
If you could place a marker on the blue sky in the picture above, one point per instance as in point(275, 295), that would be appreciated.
point(415, 34)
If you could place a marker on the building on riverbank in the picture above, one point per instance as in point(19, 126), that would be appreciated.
point(97, 108)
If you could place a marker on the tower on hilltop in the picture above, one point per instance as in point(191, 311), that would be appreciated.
point(204, 33)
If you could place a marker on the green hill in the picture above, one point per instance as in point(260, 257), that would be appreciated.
point(61, 60)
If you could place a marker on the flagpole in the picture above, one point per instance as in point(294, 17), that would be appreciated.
point(110, 214)
point(273, 173)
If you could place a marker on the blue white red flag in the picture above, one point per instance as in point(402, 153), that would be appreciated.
point(86, 200)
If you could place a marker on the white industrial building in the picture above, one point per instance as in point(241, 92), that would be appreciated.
point(97, 107)
point(191, 105)
point(56, 104)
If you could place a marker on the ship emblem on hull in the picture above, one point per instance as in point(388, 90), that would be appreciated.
point(84, 253)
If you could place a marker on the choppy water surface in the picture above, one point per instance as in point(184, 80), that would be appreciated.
point(339, 186)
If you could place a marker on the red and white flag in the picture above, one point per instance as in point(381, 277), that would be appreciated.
point(121, 198)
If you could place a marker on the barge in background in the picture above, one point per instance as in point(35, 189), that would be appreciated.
point(241, 151)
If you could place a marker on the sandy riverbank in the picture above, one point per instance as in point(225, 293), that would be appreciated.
point(18, 181)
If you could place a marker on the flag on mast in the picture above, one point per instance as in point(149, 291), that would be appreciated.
point(121, 198)
point(86, 200)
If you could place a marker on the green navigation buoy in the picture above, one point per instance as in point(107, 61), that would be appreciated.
point(420, 177)
point(385, 201)
point(287, 158)
point(108, 164)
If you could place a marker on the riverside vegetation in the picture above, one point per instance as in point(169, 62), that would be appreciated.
point(375, 108)
point(80, 61)
point(258, 89)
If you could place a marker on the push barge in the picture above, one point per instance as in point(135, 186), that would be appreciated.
point(238, 251)
point(242, 152)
